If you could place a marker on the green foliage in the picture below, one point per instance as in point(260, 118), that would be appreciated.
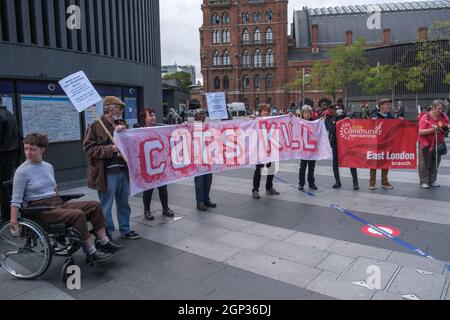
point(378, 80)
point(414, 79)
point(183, 77)
point(347, 64)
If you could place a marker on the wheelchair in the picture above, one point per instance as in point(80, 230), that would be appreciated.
point(29, 254)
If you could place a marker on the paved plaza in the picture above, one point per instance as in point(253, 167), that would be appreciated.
point(289, 247)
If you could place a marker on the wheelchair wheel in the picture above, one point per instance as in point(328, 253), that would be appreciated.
point(28, 255)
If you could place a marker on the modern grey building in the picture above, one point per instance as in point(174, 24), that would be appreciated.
point(176, 68)
point(117, 45)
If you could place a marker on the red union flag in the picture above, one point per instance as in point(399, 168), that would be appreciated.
point(161, 155)
point(377, 144)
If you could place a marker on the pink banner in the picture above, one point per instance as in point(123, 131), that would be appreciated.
point(159, 156)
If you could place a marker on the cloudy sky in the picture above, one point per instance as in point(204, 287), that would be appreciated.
point(181, 19)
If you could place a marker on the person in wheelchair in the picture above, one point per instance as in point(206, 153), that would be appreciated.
point(34, 184)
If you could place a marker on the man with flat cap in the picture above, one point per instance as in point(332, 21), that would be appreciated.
point(384, 112)
point(107, 170)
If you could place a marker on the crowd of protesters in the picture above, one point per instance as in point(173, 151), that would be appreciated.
point(107, 170)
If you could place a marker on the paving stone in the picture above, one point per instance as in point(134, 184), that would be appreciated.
point(356, 250)
point(417, 262)
point(310, 240)
point(166, 236)
point(243, 240)
point(359, 271)
point(268, 231)
point(425, 287)
point(201, 230)
point(326, 283)
point(207, 248)
point(47, 292)
point(294, 253)
point(335, 263)
point(12, 287)
point(275, 268)
point(383, 295)
point(236, 284)
point(192, 266)
point(421, 216)
point(228, 222)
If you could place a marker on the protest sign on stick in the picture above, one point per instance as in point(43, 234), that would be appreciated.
point(83, 95)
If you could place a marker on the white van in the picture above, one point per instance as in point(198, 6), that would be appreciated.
point(237, 109)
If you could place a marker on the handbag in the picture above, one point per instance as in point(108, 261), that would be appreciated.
point(442, 149)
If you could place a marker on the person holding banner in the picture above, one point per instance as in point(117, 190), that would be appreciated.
point(384, 113)
point(433, 127)
point(310, 164)
point(330, 123)
point(107, 170)
point(148, 118)
point(264, 111)
point(203, 183)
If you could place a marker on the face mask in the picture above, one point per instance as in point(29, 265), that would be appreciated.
point(117, 118)
point(339, 112)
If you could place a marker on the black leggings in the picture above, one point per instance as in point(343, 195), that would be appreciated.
point(257, 177)
point(163, 196)
point(337, 177)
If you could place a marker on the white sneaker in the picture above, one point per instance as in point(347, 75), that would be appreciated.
point(425, 186)
point(435, 185)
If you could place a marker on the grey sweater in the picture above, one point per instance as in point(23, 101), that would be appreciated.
point(32, 182)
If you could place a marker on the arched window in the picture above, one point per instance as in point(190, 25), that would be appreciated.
point(226, 36)
point(226, 83)
point(215, 19)
point(258, 59)
point(269, 16)
point(257, 82)
point(246, 59)
point(217, 60)
point(216, 36)
point(269, 35)
point(257, 36)
point(269, 81)
point(226, 58)
point(245, 36)
point(216, 83)
point(246, 82)
point(269, 58)
point(256, 17)
point(225, 18)
point(245, 18)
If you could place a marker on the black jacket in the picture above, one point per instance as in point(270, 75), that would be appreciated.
point(330, 124)
point(9, 133)
point(378, 115)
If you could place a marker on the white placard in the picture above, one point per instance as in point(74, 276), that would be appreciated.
point(217, 106)
point(80, 91)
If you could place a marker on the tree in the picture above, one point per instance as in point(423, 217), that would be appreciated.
point(382, 78)
point(183, 77)
point(415, 81)
point(347, 65)
point(302, 80)
point(432, 57)
point(325, 78)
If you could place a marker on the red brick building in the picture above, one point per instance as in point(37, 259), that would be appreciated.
point(247, 53)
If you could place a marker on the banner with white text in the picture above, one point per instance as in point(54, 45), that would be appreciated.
point(162, 155)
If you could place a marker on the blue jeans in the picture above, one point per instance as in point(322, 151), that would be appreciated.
point(119, 189)
point(202, 188)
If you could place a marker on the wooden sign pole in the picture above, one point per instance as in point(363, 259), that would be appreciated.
point(108, 133)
